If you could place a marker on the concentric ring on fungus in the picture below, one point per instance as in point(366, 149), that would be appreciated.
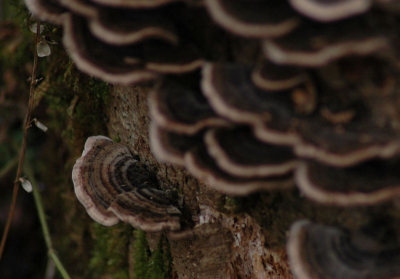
point(181, 110)
point(255, 19)
point(49, 10)
point(201, 165)
point(114, 186)
point(136, 3)
point(368, 183)
point(330, 10)
point(320, 112)
point(313, 45)
point(124, 27)
point(352, 255)
point(253, 158)
point(116, 51)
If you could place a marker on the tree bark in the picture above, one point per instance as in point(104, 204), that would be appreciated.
point(232, 237)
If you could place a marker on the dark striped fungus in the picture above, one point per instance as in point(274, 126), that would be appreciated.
point(251, 95)
point(372, 252)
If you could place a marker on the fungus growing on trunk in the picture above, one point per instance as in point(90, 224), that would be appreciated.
point(255, 19)
point(181, 110)
point(114, 186)
point(270, 76)
point(171, 147)
point(314, 45)
point(231, 92)
point(124, 27)
point(136, 3)
point(237, 152)
point(323, 10)
point(371, 182)
point(320, 252)
point(49, 10)
point(196, 154)
point(202, 166)
point(321, 111)
point(124, 45)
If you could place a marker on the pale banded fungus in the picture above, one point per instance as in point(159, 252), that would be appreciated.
point(123, 27)
point(270, 76)
point(114, 186)
point(370, 182)
point(201, 165)
point(136, 3)
point(182, 110)
point(191, 152)
point(253, 158)
point(357, 116)
point(171, 147)
point(81, 7)
point(322, 252)
point(124, 64)
point(119, 65)
point(49, 10)
point(121, 45)
point(323, 10)
point(255, 19)
point(232, 94)
point(314, 45)
point(341, 146)
point(326, 121)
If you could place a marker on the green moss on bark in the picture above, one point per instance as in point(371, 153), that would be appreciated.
point(110, 251)
point(147, 265)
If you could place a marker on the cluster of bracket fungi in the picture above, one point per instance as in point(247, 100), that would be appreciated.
point(317, 107)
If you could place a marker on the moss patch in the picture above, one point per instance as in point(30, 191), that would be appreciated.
point(147, 265)
point(110, 252)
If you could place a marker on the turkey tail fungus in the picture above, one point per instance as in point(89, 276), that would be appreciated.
point(297, 96)
point(114, 186)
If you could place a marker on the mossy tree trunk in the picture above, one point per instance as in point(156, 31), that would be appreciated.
point(232, 237)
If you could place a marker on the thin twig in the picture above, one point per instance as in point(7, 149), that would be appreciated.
point(23, 147)
point(43, 223)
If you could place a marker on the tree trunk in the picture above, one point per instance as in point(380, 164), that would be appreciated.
point(232, 237)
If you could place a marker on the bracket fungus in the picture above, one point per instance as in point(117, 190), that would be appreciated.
point(137, 3)
point(294, 130)
point(232, 94)
point(270, 76)
point(370, 182)
point(181, 110)
point(307, 95)
point(313, 45)
point(48, 10)
point(330, 10)
point(122, 43)
point(257, 19)
point(201, 165)
point(121, 27)
point(321, 252)
point(171, 147)
point(254, 158)
point(114, 186)
point(192, 152)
